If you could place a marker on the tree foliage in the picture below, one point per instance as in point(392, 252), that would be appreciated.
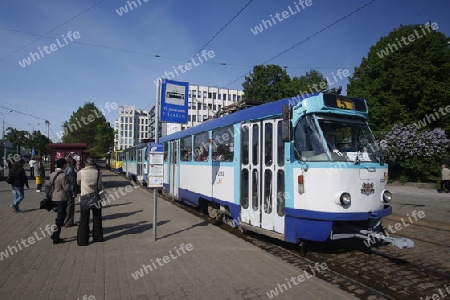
point(18, 138)
point(271, 82)
point(89, 125)
point(404, 78)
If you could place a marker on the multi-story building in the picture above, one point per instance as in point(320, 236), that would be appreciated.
point(131, 127)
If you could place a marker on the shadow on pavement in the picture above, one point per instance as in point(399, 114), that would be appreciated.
point(120, 215)
point(115, 184)
point(118, 204)
point(204, 223)
point(133, 228)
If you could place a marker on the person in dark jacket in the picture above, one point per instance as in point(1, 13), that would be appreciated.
point(60, 196)
point(19, 180)
point(73, 191)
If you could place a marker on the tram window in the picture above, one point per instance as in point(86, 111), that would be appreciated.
point(255, 198)
point(201, 147)
point(280, 145)
point(223, 144)
point(255, 144)
point(186, 149)
point(166, 151)
point(268, 144)
point(281, 195)
point(244, 143)
point(267, 191)
point(244, 189)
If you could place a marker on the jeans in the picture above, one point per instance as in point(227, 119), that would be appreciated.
point(18, 193)
point(61, 207)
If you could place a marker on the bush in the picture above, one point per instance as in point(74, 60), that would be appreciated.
point(412, 155)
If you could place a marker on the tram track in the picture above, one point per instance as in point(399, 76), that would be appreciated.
point(366, 273)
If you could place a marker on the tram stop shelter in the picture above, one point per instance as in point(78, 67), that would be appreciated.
point(79, 151)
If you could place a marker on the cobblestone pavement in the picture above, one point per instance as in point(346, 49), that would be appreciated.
point(217, 266)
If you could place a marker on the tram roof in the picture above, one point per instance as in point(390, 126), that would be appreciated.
point(263, 111)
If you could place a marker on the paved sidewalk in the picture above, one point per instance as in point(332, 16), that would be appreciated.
point(190, 260)
point(436, 206)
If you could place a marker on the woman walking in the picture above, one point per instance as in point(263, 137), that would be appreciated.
point(18, 179)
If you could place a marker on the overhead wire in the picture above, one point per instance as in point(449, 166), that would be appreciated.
point(53, 29)
point(223, 27)
point(310, 37)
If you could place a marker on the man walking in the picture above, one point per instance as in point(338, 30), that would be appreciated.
point(60, 195)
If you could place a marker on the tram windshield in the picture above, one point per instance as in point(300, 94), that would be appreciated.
point(324, 138)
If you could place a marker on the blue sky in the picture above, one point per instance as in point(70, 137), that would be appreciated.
point(89, 70)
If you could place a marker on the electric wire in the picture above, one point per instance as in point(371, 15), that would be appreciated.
point(310, 37)
point(225, 26)
point(53, 29)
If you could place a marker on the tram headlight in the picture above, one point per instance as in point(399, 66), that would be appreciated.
point(345, 199)
point(387, 196)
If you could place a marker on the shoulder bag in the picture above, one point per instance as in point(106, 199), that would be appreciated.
point(47, 202)
point(94, 199)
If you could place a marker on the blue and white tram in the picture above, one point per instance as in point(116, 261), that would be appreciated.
point(135, 163)
point(311, 171)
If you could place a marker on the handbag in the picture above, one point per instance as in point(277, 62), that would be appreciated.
point(93, 199)
point(10, 178)
point(47, 202)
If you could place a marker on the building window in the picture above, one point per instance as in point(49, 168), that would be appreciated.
point(194, 118)
point(218, 96)
point(214, 95)
point(234, 98)
point(224, 96)
point(238, 97)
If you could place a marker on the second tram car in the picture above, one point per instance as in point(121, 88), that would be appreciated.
point(115, 161)
point(306, 171)
point(135, 163)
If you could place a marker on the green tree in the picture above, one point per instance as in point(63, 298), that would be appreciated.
point(405, 78)
point(271, 82)
point(313, 81)
point(39, 142)
point(18, 138)
point(267, 83)
point(89, 125)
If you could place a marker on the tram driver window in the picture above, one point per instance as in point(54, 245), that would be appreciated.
point(223, 144)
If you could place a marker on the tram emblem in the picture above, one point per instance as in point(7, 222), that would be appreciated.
point(367, 188)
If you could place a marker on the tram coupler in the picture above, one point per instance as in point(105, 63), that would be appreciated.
point(373, 237)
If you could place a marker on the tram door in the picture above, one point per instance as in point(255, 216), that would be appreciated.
point(139, 163)
point(262, 175)
point(173, 172)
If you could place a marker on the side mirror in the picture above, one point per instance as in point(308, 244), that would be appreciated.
point(286, 124)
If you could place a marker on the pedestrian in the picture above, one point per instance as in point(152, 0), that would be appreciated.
point(73, 191)
point(445, 179)
point(90, 181)
point(17, 179)
point(61, 186)
point(32, 164)
point(39, 173)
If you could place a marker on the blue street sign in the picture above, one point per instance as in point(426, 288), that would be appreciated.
point(174, 101)
point(33, 152)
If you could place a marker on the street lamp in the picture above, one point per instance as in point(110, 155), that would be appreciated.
point(3, 130)
point(47, 122)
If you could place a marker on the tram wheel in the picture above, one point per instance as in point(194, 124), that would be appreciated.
point(303, 247)
point(212, 211)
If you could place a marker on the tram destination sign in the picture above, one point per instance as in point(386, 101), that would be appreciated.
point(344, 102)
point(174, 101)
